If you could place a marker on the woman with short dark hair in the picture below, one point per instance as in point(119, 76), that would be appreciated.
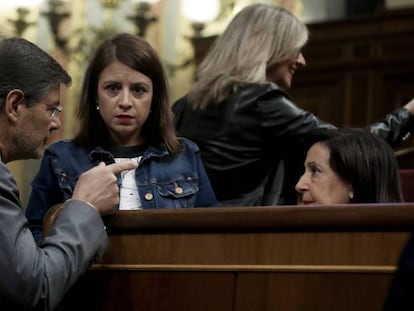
point(349, 166)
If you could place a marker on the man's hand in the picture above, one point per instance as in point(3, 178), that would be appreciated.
point(99, 187)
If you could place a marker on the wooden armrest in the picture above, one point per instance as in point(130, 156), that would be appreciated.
point(50, 218)
point(404, 152)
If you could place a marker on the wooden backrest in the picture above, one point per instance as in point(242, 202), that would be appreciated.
point(407, 184)
point(50, 218)
point(263, 258)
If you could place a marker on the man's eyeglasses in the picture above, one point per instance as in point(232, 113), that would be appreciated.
point(54, 110)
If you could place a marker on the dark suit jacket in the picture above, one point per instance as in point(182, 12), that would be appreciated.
point(38, 276)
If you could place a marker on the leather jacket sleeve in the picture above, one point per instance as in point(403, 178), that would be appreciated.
point(288, 120)
point(395, 127)
point(282, 119)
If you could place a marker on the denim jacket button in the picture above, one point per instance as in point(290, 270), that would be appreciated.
point(178, 190)
point(148, 196)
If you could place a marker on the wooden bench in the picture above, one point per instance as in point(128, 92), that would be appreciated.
point(286, 258)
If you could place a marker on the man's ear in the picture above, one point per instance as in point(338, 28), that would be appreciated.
point(13, 103)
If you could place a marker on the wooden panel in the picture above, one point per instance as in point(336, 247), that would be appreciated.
point(359, 92)
point(396, 47)
point(371, 55)
point(311, 291)
point(264, 258)
point(244, 248)
point(393, 88)
point(151, 291)
point(201, 45)
point(325, 96)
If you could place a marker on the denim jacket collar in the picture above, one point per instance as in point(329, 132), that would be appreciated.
point(100, 154)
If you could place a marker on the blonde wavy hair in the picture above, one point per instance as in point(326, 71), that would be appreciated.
point(258, 37)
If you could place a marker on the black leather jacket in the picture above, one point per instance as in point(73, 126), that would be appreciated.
point(252, 144)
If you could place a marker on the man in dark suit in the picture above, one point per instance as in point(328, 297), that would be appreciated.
point(35, 276)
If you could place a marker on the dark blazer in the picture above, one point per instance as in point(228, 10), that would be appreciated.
point(38, 276)
point(252, 143)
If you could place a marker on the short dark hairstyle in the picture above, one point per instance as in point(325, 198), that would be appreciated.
point(365, 161)
point(137, 54)
point(25, 66)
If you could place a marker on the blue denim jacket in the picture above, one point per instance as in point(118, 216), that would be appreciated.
point(163, 180)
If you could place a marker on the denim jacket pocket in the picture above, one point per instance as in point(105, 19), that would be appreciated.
point(180, 193)
point(178, 189)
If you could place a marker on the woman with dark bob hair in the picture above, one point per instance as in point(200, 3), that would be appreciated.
point(349, 166)
point(125, 115)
